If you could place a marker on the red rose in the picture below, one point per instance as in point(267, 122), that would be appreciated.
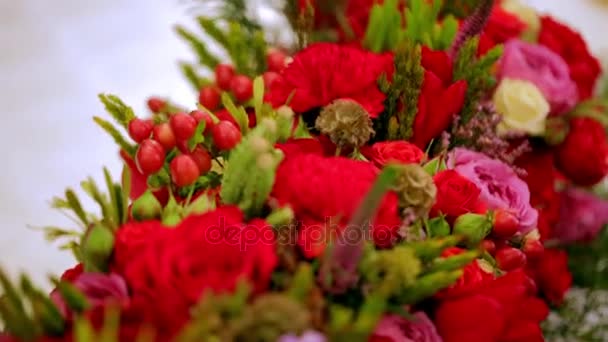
point(473, 277)
point(382, 153)
point(324, 72)
point(324, 197)
point(456, 195)
point(501, 27)
point(551, 274)
point(583, 156)
point(434, 116)
point(584, 67)
point(212, 252)
point(502, 310)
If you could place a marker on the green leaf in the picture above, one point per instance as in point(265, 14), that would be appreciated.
point(121, 113)
point(196, 81)
point(198, 137)
point(43, 309)
point(213, 31)
point(204, 56)
point(90, 188)
point(74, 299)
point(258, 97)
point(116, 207)
point(75, 205)
point(116, 135)
point(238, 114)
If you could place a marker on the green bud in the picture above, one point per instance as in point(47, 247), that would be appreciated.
point(432, 248)
point(454, 262)
point(146, 207)
point(172, 220)
point(280, 217)
point(428, 285)
point(438, 227)
point(473, 227)
point(97, 248)
point(201, 205)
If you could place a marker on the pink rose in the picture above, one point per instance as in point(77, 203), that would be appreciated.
point(582, 215)
point(544, 68)
point(500, 186)
point(394, 328)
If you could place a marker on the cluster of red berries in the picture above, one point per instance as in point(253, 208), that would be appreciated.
point(507, 256)
point(157, 140)
point(241, 86)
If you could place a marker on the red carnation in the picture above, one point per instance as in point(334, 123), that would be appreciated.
point(323, 197)
point(501, 310)
point(436, 116)
point(584, 67)
point(551, 274)
point(456, 195)
point(501, 27)
point(385, 152)
point(583, 156)
point(168, 272)
point(294, 147)
point(324, 72)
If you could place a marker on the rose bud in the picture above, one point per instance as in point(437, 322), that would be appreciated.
point(505, 224)
point(474, 227)
point(146, 207)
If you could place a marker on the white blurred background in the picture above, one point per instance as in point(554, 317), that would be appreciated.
point(57, 55)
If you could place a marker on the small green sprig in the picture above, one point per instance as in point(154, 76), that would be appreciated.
point(396, 122)
point(477, 72)
point(26, 312)
point(386, 30)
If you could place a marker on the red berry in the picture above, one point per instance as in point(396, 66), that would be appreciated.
point(156, 105)
point(242, 88)
point(140, 129)
point(202, 158)
point(488, 246)
point(225, 135)
point(533, 248)
point(276, 60)
point(184, 171)
point(200, 116)
point(182, 146)
point(506, 224)
point(183, 125)
point(269, 78)
point(164, 135)
point(510, 258)
point(223, 75)
point(150, 157)
point(209, 97)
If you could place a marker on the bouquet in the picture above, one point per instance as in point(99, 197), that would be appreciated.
point(399, 171)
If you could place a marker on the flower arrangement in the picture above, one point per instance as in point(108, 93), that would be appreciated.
point(404, 171)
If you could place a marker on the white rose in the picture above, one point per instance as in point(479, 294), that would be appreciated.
point(522, 106)
point(525, 13)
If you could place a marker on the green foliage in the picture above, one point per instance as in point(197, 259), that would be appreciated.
point(26, 312)
point(386, 31)
point(402, 94)
point(459, 8)
point(589, 262)
point(234, 30)
point(113, 206)
point(477, 72)
point(122, 114)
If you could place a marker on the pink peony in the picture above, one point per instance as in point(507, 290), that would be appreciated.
point(544, 68)
point(394, 328)
point(582, 215)
point(500, 186)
